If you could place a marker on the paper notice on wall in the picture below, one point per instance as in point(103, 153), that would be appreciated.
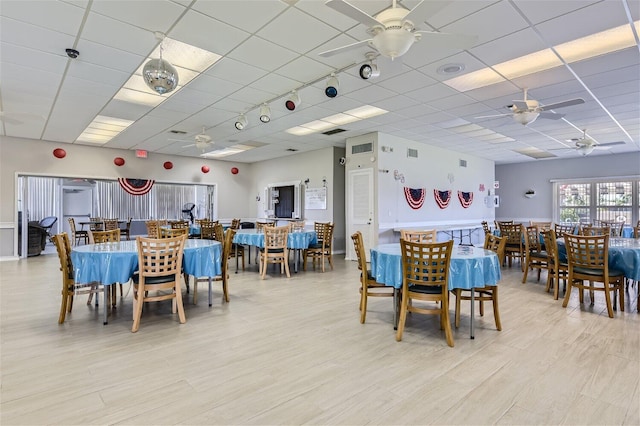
point(315, 198)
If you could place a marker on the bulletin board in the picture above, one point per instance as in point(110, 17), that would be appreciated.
point(315, 198)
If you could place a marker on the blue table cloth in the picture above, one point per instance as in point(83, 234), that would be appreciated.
point(470, 267)
point(624, 255)
point(298, 240)
point(110, 263)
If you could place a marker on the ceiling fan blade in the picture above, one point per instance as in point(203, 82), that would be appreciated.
point(458, 41)
point(344, 48)
point(551, 115)
point(494, 116)
point(353, 12)
point(562, 104)
point(424, 10)
point(187, 146)
point(612, 143)
point(520, 106)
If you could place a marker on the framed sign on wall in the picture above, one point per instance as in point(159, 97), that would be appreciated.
point(315, 198)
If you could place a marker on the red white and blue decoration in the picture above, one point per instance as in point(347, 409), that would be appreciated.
point(414, 196)
point(442, 198)
point(466, 198)
point(136, 186)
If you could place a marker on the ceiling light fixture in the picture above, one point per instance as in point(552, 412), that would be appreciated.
point(369, 70)
point(585, 149)
point(332, 86)
point(292, 101)
point(241, 122)
point(159, 74)
point(526, 117)
point(265, 113)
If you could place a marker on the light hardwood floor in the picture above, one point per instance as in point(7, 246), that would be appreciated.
point(292, 351)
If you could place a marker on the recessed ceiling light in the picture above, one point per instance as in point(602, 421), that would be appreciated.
point(448, 69)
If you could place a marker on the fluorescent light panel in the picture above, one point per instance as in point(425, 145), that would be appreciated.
point(576, 50)
point(102, 129)
point(326, 123)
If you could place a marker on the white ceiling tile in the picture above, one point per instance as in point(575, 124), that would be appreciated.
point(304, 69)
point(248, 15)
point(407, 82)
point(53, 15)
point(160, 18)
point(235, 71)
point(262, 53)
point(431, 93)
point(34, 37)
point(118, 35)
point(276, 84)
point(108, 57)
point(210, 34)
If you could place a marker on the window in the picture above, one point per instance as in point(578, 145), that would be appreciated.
point(594, 201)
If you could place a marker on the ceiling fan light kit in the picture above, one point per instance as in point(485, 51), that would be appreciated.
point(159, 74)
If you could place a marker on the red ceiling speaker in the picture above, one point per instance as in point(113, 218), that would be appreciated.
point(118, 161)
point(59, 153)
point(168, 165)
point(205, 169)
point(234, 170)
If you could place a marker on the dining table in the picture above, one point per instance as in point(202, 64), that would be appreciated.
point(116, 262)
point(470, 267)
point(297, 240)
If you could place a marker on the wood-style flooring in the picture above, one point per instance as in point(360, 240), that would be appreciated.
point(292, 351)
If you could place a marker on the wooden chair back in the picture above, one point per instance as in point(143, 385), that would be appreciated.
point(560, 229)
point(542, 226)
point(96, 224)
point(126, 231)
point(153, 228)
point(296, 225)
point(636, 231)
point(179, 224)
point(111, 224)
point(425, 236)
point(495, 244)
point(499, 223)
point(235, 223)
point(173, 232)
point(275, 248)
point(596, 230)
point(614, 227)
point(207, 230)
point(588, 251)
point(199, 222)
point(218, 232)
point(318, 227)
point(485, 227)
point(97, 237)
point(532, 239)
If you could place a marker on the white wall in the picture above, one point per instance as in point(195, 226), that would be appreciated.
point(515, 179)
point(34, 157)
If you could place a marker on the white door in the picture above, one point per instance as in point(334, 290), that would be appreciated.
point(360, 209)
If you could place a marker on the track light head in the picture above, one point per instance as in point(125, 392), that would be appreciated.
point(292, 101)
point(265, 113)
point(241, 122)
point(368, 71)
point(332, 86)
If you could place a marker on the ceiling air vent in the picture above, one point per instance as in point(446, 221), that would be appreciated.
point(333, 132)
point(363, 147)
point(463, 163)
point(291, 149)
point(412, 153)
point(178, 132)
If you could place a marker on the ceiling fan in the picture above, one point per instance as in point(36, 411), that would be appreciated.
point(526, 111)
point(394, 30)
point(202, 141)
point(585, 145)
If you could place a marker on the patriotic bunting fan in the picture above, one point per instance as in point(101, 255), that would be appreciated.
point(442, 198)
point(136, 186)
point(466, 198)
point(414, 196)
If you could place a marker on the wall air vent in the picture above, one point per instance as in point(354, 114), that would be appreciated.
point(333, 132)
point(363, 147)
point(412, 153)
point(463, 163)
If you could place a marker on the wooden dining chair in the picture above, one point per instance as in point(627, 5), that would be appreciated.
point(485, 227)
point(425, 271)
point(556, 269)
point(275, 249)
point(561, 229)
point(153, 228)
point(514, 249)
point(595, 230)
point(173, 232)
point(542, 226)
point(369, 287)
point(69, 286)
point(636, 231)
point(488, 293)
point(126, 231)
point(322, 250)
point(207, 230)
point(235, 223)
point(424, 236)
point(224, 274)
point(111, 224)
point(588, 259)
point(96, 224)
point(111, 236)
point(77, 235)
point(160, 265)
point(179, 224)
point(535, 257)
point(615, 228)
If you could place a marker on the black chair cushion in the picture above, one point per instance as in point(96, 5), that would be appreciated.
point(426, 289)
point(153, 280)
point(597, 272)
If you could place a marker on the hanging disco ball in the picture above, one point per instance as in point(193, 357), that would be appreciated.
point(160, 76)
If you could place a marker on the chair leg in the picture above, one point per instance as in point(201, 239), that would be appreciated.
point(458, 293)
point(286, 263)
point(526, 272)
point(63, 307)
point(363, 304)
point(447, 323)
point(178, 302)
point(403, 317)
point(496, 311)
point(137, 308)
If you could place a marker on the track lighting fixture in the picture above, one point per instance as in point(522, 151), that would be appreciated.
point(332, 86)
point(292, 101)
point(241, 122)
point(265, 113)
point(369, 70)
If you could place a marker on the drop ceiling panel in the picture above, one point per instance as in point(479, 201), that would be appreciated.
point(506, 48)
point(34, 37)
point(210, 34)
point(538, 12)
point(249, 16)
point(53, 15)
point(271, 55)
point(235, 71)
point(137, 13)
point(108, 57)
point(304, 69)
point(119, 35)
